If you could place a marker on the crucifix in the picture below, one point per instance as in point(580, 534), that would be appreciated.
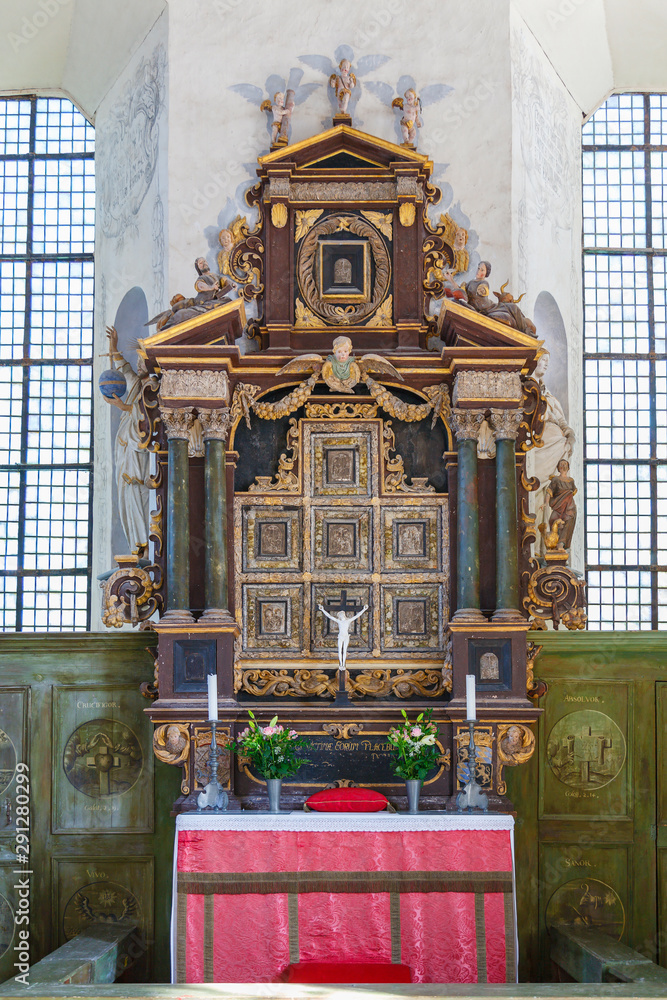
point(343, 622)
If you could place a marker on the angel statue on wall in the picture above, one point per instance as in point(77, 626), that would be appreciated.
point(210, 289)
point(343, 85)
point(343, 82)
point(410, 104)
point(343, 623)
point(284, 95)
point(339, 370)
point(281, 110)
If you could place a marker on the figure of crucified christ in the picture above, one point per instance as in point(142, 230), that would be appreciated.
point(343, 623)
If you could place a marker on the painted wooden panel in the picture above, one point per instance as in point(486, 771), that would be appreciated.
point(14, 737)
point(102, 760)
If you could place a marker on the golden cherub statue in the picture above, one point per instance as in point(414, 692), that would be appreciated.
point(339, 370)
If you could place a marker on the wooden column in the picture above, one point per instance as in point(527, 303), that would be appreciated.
point(215, 424)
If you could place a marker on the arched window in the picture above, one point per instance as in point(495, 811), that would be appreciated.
point(625, 359)
point(47, 234)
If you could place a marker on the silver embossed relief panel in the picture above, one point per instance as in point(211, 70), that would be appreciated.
point(412, 539)
point(412, 617)
point(272, 617)
point(341, 539)
point(272, 539)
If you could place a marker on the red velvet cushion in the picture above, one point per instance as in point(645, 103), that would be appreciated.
point(347, 972)
point(344, 800)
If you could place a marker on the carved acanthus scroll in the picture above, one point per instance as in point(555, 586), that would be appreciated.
point(241, 257)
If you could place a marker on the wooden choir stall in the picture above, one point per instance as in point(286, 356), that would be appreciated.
point(328, 439)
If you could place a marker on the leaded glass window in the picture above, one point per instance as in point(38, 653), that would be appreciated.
point(625, 361)
point(47, 234)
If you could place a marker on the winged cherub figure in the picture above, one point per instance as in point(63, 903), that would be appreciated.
point(285, 95)
point(410, 104)
point(340, 371)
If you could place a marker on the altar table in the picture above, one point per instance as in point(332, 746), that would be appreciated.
point(255, 892)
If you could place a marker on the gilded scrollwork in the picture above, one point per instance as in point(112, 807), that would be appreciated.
point(342, 730)
point(341, 411)
point(534, 409)
point(305, 220)
point(533, 687)
point(303, 317)
point(515, 744)
point(394, 471)
point(554, 593)
point(149, 425)
point(171, 745)
point(131, 594)
point(307, 269)
point(381, 682)
point(281, 683)
point(529, 534)
point(241, 256)
point(287, 480)
point(155, 526)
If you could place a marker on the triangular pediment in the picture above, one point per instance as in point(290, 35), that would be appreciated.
point(366, 151)
point(219, 326)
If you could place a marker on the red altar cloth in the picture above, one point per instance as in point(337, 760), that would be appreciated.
point(256, 892)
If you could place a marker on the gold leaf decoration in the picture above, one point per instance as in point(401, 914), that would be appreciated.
point(304, 221)
point(304, 317)
point(384, 315)
point(407, 213)
point(279, 214)
point(381, 221)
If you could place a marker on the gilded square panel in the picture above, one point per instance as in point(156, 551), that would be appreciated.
point(341, 538)
point(411, 539)
point(340, 464)
point(324, 633)
point(271, 539)
point(272, 617)
point(412, 617)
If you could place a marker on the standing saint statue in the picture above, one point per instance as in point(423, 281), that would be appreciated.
point(560, 496)
point(132, 462)
point(343, 623)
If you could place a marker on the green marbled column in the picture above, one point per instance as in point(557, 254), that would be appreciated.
point(505, 424)
point(215, 487)
point(467, 523)
point(507, 570)
point(178, 527)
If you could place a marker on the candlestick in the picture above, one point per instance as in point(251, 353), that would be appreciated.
point(471, 707)
point(212, 681)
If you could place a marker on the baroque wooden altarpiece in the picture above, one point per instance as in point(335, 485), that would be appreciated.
point(277, 493)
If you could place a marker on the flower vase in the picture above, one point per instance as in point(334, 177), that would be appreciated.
point(414, 787)
point(273, 786)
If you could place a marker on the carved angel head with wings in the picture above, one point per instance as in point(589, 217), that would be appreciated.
point(340, 371)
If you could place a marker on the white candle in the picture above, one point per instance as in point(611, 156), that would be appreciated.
point(212, 681)
point(471, 710)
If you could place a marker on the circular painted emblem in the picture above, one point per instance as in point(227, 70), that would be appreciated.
point(99, 902)
point(586, 750)
point(7, 761)
point(102, 757)
point(587, 902)
point(6, 925)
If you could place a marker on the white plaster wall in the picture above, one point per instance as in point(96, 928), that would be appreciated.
point(130, 249)
point(546, 222)
point(216, 134)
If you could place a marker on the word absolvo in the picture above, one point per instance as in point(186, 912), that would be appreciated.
point(22, 886)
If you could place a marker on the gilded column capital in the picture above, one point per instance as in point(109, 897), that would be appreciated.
point(178, 422)
point(215, 423)
point(487, 386)
point(505, 423)
point(466, 423)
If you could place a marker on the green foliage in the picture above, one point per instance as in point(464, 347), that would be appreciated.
point(272, 749)
point(415, 750)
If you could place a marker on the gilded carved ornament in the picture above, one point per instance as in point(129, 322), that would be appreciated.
point(487, 385)
point(466, 423)
point(534, 408)
point(506, 423)
point(371, 682)
point(287, 481)
point(192, 384)
point(241, 256)
point(131, 594)
point(394, 471)
point(303, 317)
point(554, 593)
point(384, 315)
point(285, 682)
point(534, 688)
point(515, 744)
point(305, 220)
point(171, 745)
point(279, 214)
point(407, 213)
point(382, 221)
point(341, 411)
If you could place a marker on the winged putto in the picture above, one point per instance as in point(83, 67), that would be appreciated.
point(339, 370)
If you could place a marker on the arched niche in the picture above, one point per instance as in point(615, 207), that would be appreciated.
point(551, 329)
